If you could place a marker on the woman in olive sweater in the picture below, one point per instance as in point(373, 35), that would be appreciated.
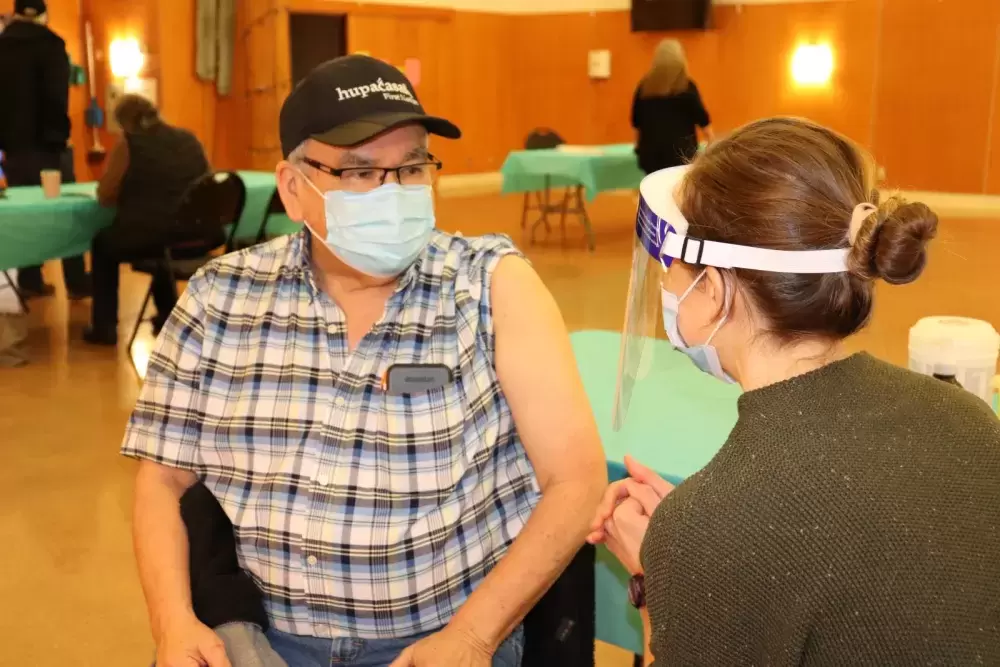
point(853, 515)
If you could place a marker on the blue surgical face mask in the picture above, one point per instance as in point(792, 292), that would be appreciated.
point(379, 232)
point(704, 356)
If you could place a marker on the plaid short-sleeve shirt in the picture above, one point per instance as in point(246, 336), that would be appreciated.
point(358, 512)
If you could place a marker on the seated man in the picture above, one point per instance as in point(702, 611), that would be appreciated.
point(390, 415)
point(149, 170)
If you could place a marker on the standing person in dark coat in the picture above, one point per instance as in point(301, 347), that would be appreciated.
point(34, 120)
point(667, 111)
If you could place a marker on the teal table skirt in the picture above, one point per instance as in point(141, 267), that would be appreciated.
point(34, 229)
point(260, 187)
point(611, 167)
point(678, 419)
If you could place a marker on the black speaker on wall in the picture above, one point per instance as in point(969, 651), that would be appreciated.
point(655, 15)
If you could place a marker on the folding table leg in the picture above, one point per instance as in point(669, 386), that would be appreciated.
point(591, 238)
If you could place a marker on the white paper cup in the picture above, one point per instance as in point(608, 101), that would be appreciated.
point(51, 183)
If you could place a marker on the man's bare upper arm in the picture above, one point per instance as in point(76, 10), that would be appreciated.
point(178, 479)
point(540, 379)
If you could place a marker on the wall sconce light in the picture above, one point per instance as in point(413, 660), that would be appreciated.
point(812, 65)
point(126, 58)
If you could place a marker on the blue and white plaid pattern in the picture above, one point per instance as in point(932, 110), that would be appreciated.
point(358, 513)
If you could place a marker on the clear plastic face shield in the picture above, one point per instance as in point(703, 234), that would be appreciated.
point(661, 238)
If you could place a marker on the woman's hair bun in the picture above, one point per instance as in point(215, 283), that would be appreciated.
point(894, 248)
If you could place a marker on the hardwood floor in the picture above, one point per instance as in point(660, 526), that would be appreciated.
point(68, 582)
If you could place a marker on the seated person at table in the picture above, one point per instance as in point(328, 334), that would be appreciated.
point(34, 122)
point(853, 515)
point(391, 415)
point(149, 171)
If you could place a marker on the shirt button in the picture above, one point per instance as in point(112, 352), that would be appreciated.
point(340, 401)
point(323, 479)
point(311, 560)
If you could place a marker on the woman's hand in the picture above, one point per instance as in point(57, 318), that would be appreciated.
point(625, 531)
point(642, 483)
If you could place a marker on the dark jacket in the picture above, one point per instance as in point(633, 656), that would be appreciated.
point(221, 591)
point(34, 80)
point(163, 163)
point(666, 126)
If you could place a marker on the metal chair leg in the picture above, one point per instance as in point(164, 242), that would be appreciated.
point(563, 211)
point(17, 292)
point(139, 320)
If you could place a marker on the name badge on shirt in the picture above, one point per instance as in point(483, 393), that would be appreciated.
point(416, 378)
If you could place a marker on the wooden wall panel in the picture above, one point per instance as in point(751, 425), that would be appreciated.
point(916, 80)
point(481, 97)
point(936, 74)
point(992, 176)
point(741, 67)
point(232, 117)
point(185, 100)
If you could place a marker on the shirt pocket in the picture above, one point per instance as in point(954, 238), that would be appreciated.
point(425, 436)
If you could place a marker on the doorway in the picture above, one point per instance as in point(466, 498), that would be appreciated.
point(314, 39)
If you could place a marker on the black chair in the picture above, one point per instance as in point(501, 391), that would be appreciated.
point(210, 204)
point(572, 197)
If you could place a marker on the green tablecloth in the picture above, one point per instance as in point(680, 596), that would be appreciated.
point(678, 418)
point(613, 168)
point(34, 229)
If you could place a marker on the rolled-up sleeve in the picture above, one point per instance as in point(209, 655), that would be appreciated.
point(165, 426)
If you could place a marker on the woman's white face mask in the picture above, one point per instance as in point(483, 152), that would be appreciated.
point(704, 356)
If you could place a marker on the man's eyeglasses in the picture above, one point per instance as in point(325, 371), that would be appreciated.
point(362, 179)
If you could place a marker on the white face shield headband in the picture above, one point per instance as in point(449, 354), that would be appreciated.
point(662, 237)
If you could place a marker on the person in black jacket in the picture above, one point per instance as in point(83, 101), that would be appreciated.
point(34, 120)
point(667, 110)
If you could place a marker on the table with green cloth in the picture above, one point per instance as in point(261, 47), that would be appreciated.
point(34, 229)
point(677, 420)
point(585, 170)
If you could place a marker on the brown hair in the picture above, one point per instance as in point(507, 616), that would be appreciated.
point(136, 113)
point(789, 184)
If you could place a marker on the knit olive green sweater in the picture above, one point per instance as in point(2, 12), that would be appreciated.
point(852, 518)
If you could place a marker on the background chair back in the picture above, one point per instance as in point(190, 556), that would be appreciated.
point(542, 138)
point(210, 204)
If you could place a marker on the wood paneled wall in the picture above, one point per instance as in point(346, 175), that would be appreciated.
point(917, 81)
point(165, 30)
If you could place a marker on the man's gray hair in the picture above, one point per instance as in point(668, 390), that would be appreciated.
point(298, 155)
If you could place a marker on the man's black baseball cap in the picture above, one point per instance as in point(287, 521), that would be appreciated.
point(347, 101)
point(30, 8)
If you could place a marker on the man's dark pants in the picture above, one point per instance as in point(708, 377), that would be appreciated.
point(120, 244)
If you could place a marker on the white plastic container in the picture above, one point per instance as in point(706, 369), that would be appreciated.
point(961, 347)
